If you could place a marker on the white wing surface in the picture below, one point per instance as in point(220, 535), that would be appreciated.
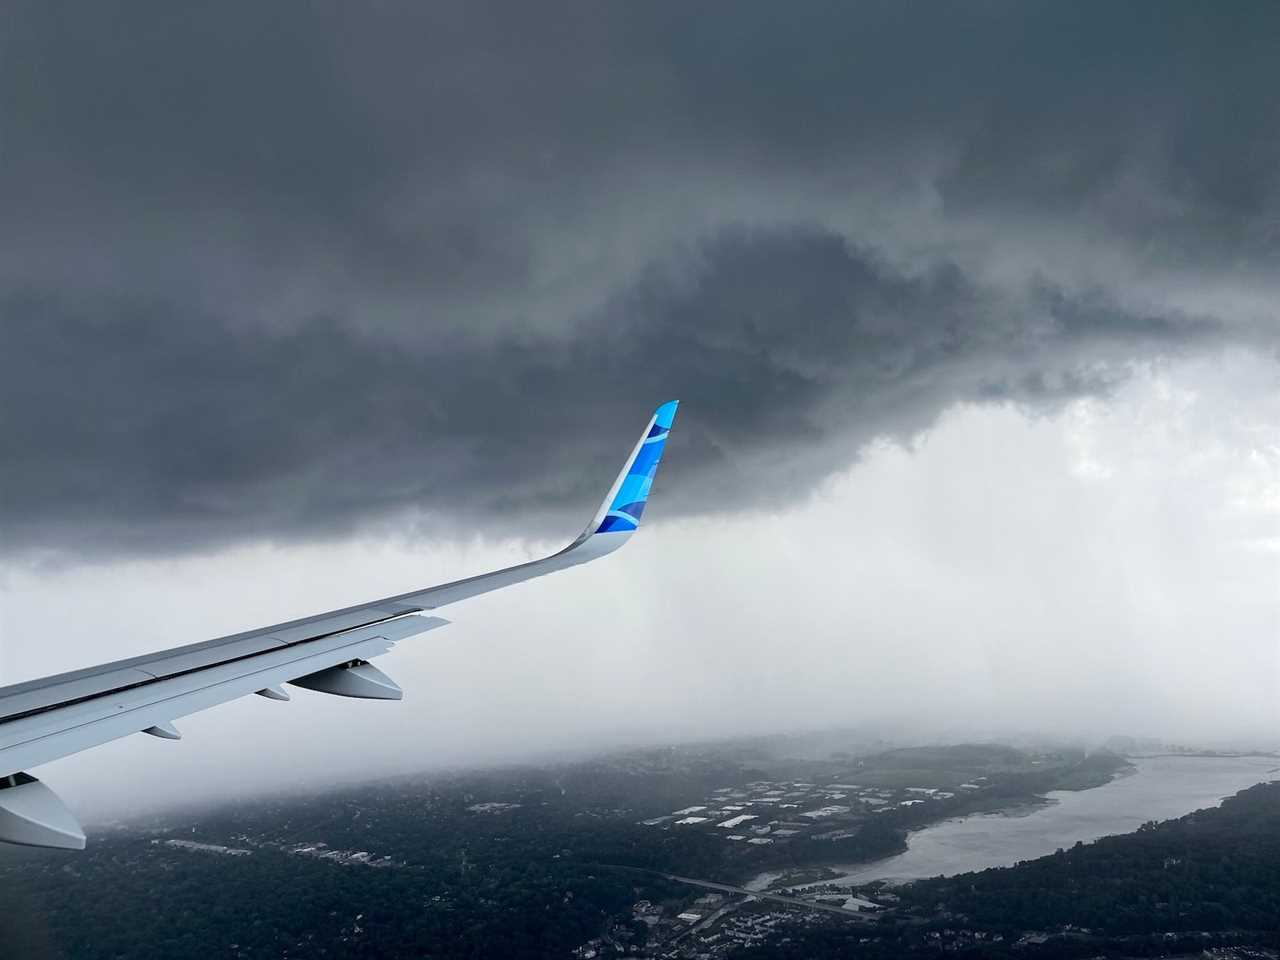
point(53, 717)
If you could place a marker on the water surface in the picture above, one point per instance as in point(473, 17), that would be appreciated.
point(1159, 788)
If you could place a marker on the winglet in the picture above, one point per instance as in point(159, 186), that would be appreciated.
point(620, 512)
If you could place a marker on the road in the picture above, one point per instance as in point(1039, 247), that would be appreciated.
point(775, 897)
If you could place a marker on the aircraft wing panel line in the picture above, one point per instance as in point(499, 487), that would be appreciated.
point(170, 664)
point(67, 730)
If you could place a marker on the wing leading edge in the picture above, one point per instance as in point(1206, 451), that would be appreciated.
point(53, 717)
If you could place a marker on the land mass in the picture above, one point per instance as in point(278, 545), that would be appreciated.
point(518, 862)
point(1206, 884)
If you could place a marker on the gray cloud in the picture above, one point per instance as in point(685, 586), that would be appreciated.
point(138, 428)
point(273, 271)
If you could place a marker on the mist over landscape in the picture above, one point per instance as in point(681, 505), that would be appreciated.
point(1107, 570)
point(971, 314)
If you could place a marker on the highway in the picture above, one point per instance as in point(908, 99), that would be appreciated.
point(776, 897)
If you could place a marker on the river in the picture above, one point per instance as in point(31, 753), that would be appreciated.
point(1159, 788)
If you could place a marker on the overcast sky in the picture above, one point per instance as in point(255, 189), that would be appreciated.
point(971, 310)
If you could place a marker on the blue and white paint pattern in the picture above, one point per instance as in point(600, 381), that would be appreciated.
point(628, 503)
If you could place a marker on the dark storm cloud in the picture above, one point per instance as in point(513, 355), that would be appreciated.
point(137, 427)
point(272, 270)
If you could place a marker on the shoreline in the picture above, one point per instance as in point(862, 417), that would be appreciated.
point(855, 874)
point(831, 871)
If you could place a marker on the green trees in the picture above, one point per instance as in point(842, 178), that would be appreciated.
point(1210, 878)
point(1210, 870)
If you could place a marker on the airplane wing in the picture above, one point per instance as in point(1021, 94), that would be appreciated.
point(43, 720)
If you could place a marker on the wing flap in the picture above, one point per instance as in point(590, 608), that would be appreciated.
point(171, 665)
point(21, 699)
point(70, 728)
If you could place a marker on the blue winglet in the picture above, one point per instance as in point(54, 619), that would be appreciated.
point(623, 507)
